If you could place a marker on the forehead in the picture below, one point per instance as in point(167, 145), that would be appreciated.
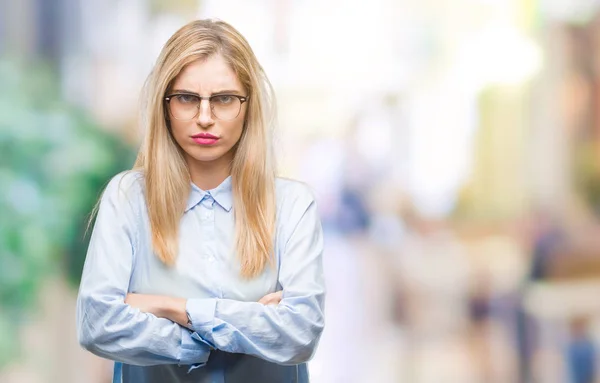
point(207, 75)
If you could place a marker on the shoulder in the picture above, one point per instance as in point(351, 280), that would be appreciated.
point(294, 198)
point(292, 192)
point(127, 186)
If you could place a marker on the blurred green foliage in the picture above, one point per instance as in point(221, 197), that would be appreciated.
point(54, 162)
point(182, 7)
point(587, 173)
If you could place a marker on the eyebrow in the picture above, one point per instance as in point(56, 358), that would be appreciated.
point(223, 91)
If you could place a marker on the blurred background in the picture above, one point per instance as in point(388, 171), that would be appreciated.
point(453, 147)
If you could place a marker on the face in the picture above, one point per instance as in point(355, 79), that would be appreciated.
point(207, 139)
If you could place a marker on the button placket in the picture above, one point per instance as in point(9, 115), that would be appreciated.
point(207, 223)
point(207, 211)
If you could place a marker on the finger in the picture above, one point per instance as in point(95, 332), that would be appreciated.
point(274, 300)
point(269, 298)
point(275, 297)
point(264, 300)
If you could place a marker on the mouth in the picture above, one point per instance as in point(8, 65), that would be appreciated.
point(205, 139)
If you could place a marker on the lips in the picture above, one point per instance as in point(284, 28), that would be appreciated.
point(205, 139)
point(205, 135)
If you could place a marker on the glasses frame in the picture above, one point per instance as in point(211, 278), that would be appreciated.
point(168, 98)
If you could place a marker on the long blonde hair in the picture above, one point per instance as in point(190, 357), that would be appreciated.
point(160, 159)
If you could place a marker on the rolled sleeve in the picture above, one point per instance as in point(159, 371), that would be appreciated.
point(190, 341)
point(201, 313)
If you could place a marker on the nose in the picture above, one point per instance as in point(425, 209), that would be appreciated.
point(205, 117)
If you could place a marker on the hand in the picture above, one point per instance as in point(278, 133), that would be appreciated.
point(151, 304)
point(272, 299)
point(161, 306)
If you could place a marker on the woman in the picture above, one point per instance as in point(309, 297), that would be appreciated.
point(202, 266)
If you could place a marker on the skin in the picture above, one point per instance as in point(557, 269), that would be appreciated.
point(208, 165)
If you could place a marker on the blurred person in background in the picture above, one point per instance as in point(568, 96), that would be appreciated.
point(546, 237)
point(581, 352)
point(203, 265)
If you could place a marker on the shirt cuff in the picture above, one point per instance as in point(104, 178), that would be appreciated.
point(201, 312)
point(193, 350)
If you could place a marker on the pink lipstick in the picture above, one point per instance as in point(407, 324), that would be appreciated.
point(205, 139)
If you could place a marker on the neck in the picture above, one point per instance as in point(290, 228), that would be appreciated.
point(209, 175)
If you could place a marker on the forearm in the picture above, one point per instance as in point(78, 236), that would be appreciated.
point(287, 333)
point(119, 332)
point(281, 334)
point(171, 308)
point(106, 325)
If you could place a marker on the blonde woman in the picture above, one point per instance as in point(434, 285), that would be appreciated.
point(202, 265)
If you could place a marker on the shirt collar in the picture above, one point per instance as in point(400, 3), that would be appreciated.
point(221, 194)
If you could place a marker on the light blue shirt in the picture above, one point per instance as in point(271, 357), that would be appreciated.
point(234, 338)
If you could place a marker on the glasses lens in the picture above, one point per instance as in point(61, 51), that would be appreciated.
point(184, 106)
point(226, 107)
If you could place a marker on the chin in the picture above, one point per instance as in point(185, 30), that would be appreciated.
point(205, 158)
point(205, 155)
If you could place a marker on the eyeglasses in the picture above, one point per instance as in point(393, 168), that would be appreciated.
point(186, 107)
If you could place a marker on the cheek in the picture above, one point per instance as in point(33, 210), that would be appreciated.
point(239, 126)
point(178, 131)
point(235, 131)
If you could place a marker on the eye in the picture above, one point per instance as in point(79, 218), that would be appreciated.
point(223, 99)
point(186, 98)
